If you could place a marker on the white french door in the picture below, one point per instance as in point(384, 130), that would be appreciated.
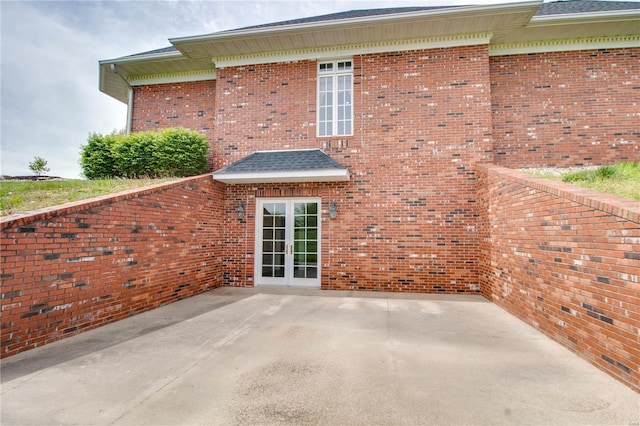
point(288, 242)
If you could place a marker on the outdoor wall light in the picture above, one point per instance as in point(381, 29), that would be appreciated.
point(240, 211)
point(333, 210)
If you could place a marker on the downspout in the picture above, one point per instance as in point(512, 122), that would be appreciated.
point(129, 98)
point(129, 110)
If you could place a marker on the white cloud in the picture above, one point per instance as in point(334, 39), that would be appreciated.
point(50, 100)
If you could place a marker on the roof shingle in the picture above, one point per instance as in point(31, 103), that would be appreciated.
point(289, 161)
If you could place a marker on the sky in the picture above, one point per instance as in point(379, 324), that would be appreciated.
point(49, 52)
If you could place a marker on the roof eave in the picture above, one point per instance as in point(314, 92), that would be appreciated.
point(449, 12)
point(143, 58)
point(286, 176)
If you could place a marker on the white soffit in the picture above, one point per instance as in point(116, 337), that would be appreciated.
point(352, 50)
point(580, 31)
point(564, 45)
point(175, 77)
point(158, 68)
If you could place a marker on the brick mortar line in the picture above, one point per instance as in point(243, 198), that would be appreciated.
point(611, 204)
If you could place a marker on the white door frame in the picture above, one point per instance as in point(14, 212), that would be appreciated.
point(288, 279)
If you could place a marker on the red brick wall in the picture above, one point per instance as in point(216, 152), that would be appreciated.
point(67, 270)
point(190, 105)
point(567, 261)
point(261, 107)
point(408, 216)
point(566, 108)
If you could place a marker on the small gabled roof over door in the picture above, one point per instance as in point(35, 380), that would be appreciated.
point(299, 165)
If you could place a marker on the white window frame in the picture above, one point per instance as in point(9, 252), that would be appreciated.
point(334, 72)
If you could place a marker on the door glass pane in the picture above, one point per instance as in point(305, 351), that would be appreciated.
point(299, 272)
point(305, 244)
point(273, 239)
point(312, 272)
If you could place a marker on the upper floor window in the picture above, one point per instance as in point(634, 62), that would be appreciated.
point(335, 98)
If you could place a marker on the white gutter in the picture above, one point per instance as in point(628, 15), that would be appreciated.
point(579, 18)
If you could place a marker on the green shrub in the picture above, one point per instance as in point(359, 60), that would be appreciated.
point(182, 153)
point(170, 153)
point(135, 155)
point(97, 157)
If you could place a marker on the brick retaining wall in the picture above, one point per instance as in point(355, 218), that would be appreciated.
point(85, 264)
point(565, 260)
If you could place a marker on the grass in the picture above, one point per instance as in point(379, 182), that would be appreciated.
point(622, 179)
point(23, 196)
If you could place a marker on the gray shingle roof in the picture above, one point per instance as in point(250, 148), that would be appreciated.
point(552, 8)
point(584, 6)
point(282, 161)
point(167, 49)
point(351, 14)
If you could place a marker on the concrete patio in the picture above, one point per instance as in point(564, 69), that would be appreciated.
point(283, 356)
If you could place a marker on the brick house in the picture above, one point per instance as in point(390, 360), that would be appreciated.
point(347, 144)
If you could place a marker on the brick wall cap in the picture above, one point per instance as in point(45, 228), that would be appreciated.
point(617, 206)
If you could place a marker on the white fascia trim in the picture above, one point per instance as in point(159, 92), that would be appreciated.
point(289, 176)
point(451, 12)
point(584, 18)
point(351, 50)
point(174, 77)
point(618, 42)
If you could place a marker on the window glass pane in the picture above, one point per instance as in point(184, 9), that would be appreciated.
point(267, 234)
point(267, 259)
point(312, 208)
point(329, 104)
point(278, 271)
point(267, 246)
point(267, 271)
